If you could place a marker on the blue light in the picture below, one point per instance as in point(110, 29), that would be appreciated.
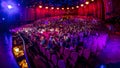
point(9, 7)
point(3, 19)
point(102, 66)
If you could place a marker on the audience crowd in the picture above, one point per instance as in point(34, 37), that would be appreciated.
point(65, 42)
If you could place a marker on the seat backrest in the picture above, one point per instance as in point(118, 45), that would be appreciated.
point(80, 52)
point(61, 64)
point(51, 65)
point(44, 50)
point(61, 50)
point(74, 56)
point(48, 54)
point(86, 53)
point(66, 52)
point(54, 59)
point(41, 49)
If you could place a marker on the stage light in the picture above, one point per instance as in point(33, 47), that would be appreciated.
point(82, 5)
point(52, 7)
point(40, 6)
point(10, 6)
point(72, 7)
point(46, 7)
point(77, 6)
point(58, 8)
point(62, 8)
point(92, 0)
point(87, 2)
point(68, 8)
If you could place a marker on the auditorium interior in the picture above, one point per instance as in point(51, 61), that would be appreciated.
point(59, 33)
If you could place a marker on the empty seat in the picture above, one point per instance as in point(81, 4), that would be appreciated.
point(73, 58)
point(86, 53)
point(80, 52)
point(48, 54)
point(43, 50)
point(66, 54)
point(51, 65)
point(61, 50)
point(61, 64)
point(54, 59)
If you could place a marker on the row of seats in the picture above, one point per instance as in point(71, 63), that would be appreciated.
point(68, 55)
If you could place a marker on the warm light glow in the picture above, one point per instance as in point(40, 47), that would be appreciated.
point(52, 7)
point(23, 64)
point(82, 5)
point(62, 8)
point(46, 7)
point(87, 2)
point(72, 7)
point(68, 8)
point(40, 6)
point(92, 0)
point(16, 49)
point(58, 8)
point(77, 6)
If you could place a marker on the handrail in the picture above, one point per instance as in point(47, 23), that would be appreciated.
point(25, 51)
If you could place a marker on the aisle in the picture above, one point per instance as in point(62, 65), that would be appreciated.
point(111, 53)
point(6, 57)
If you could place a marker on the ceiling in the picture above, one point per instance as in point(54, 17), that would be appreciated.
point(58, 3)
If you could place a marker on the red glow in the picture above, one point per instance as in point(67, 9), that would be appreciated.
point(77, 6)
point(87, 2)
point(62, 8)
point(40, 6)
point(72, 7)
point(58, 8)
point(68, 8)
point(52, 7)
point(82, 5)
point(46, 7)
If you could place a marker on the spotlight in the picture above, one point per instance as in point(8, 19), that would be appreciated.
point(46, 7)
point(92, 0)
point(58, 8)
point(9, 6)
point(77, 6)
point(72, 7)
point(87, 2)
point(52, 7)
point(82, 5)
point(40, 6)
point(68, 8)
point(62, 8)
